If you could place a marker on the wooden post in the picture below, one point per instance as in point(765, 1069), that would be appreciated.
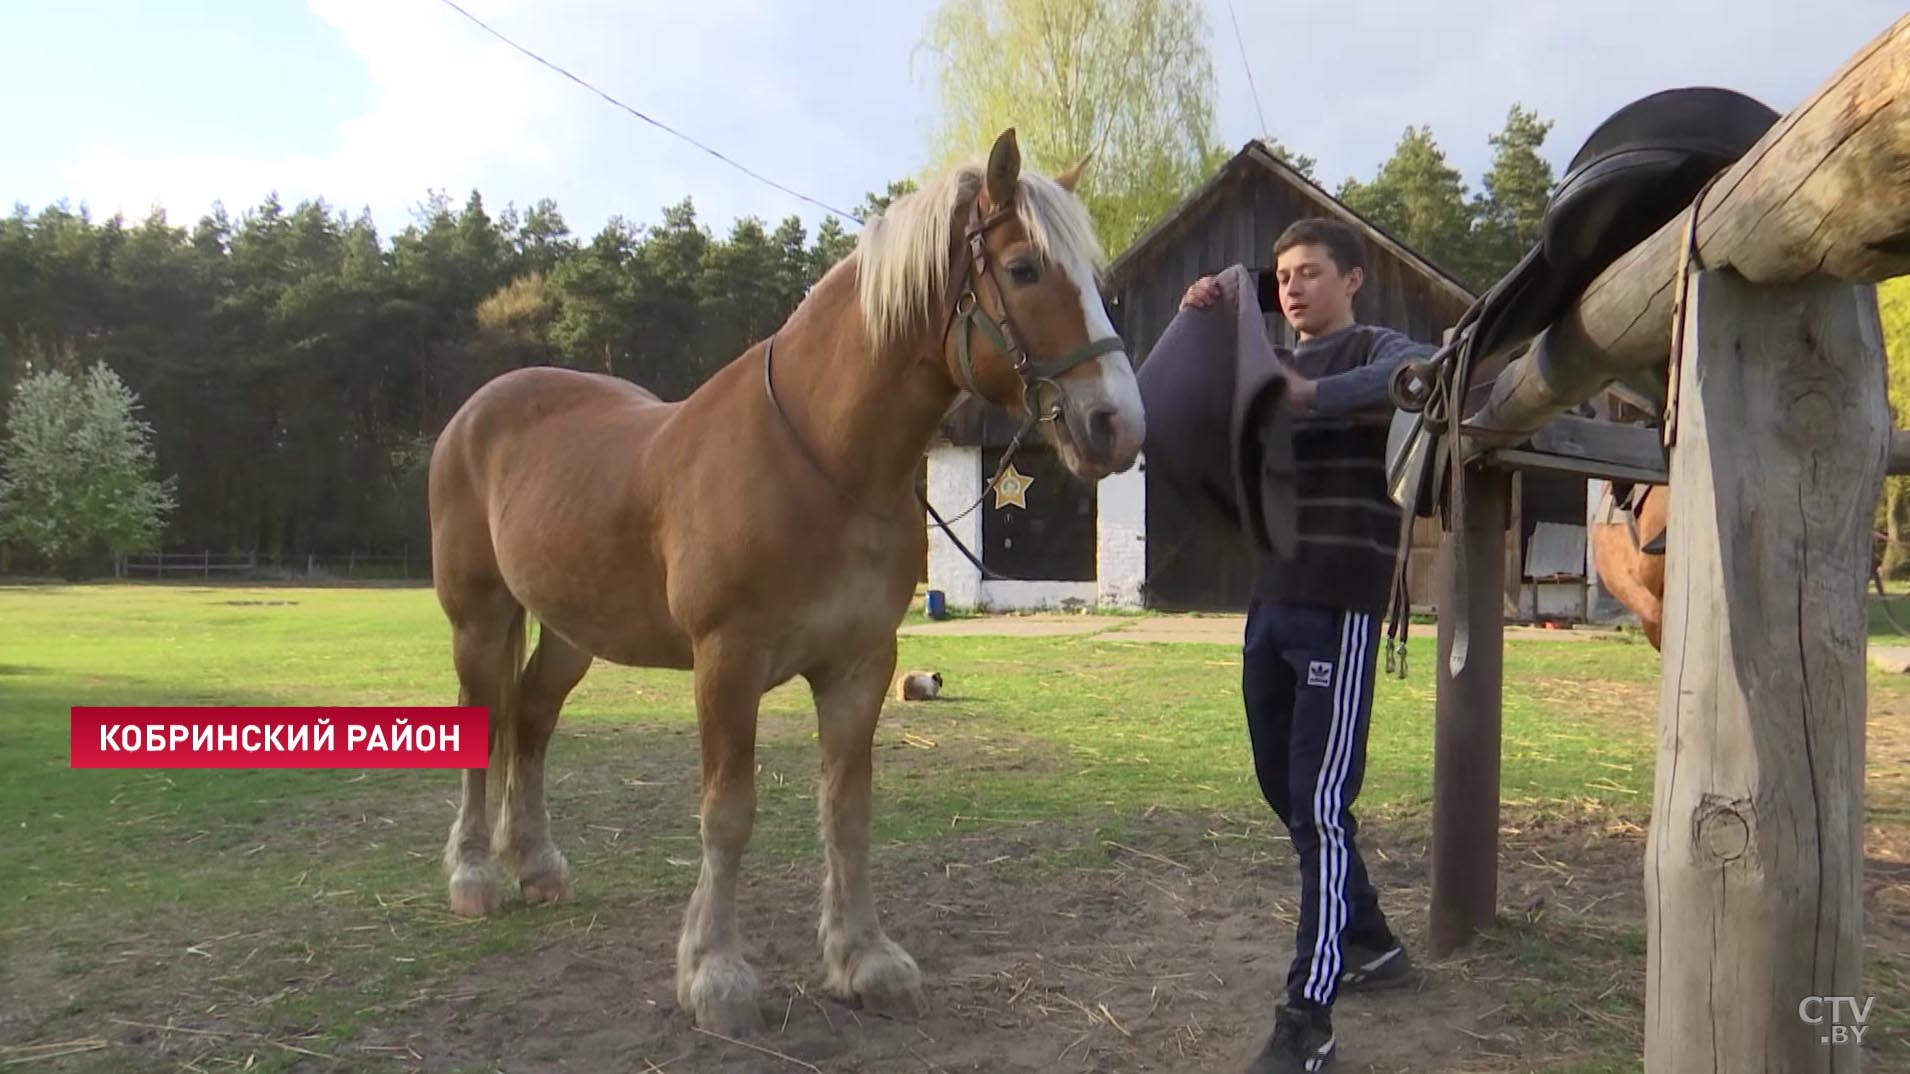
point(1754, 862)
point(1465, 822)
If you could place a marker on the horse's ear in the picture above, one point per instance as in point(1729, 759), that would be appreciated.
point(1004, 169)
point(1072, 176)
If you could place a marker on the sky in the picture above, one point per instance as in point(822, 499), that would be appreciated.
point(372, 104)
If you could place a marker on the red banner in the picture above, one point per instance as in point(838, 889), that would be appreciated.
point(281, 737)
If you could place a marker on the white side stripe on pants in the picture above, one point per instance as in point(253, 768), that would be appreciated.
point(1328, 793)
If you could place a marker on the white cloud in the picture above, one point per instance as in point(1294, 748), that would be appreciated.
point(456, 109)
point(820, 95)
point(453, 108)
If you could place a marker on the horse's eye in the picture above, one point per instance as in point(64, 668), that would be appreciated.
point(1023, 273)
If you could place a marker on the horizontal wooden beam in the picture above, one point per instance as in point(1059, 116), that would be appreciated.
point(1585, 447)
point(1821, 195)
point(1608, 451)
point(1570, 466)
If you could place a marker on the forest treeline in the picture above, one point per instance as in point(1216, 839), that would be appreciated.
point(293, 364)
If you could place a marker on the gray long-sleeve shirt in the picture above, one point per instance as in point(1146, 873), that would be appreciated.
point(1348, 527)
point(1346, 388)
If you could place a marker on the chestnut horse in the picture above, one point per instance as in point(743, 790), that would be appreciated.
point(764, 528)
point(1636, 577)
point(1633, 576)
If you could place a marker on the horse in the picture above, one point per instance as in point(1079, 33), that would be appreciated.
point(1632, 574)
point(1630, 559)
point(762, 528)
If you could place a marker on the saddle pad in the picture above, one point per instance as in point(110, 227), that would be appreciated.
point(1218, 428)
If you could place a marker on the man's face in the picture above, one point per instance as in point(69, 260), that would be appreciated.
point(1315, 295)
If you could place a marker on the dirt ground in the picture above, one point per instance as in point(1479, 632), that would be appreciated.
point(1164, 951)
point(1156, 962)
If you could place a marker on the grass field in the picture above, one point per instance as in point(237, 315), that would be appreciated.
point(1071, 843)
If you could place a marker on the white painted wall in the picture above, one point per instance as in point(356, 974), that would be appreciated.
point(1121, 538)
point(1007, 596)
point(954, 484)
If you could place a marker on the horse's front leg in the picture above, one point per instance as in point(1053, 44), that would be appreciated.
point(861, 965)
point(714, 982)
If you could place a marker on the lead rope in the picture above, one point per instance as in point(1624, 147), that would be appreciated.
point(1400, 599)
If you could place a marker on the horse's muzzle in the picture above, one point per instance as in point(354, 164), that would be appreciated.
point(1106, 438)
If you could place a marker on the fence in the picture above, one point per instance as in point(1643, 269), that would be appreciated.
point(207, 565)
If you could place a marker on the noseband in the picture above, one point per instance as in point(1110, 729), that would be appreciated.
point(968, 314)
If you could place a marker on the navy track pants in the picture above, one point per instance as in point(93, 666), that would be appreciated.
point(1307, 679)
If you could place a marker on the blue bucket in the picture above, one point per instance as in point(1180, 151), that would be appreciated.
point(937, 604)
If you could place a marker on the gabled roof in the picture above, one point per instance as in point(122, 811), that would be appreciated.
point(1256, 155)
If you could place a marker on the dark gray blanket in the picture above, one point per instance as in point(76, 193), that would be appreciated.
point(1218, 429)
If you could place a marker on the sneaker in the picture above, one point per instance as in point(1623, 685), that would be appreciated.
point(1370, 969)
point(1302, 1043)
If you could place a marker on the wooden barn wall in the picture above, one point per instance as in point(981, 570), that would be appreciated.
point(1192, 566)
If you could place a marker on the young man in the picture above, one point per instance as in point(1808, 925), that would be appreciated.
point(1313, 630)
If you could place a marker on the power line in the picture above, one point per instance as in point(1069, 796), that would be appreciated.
point(662, 126)
point(1243, 62)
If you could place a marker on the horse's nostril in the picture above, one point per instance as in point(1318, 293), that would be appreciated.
point(1101, 431)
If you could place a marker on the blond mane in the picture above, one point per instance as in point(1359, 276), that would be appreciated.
point(903, 255)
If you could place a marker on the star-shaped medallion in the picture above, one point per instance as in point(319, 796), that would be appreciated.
point(1012, 488)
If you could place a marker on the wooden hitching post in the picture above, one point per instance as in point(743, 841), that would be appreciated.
point(1465, 822)
point(1754, 862)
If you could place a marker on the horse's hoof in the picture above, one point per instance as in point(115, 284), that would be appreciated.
point(882, 980)
point(721, 995)
point(546, 889)
point(474, 892)
point(547, 880)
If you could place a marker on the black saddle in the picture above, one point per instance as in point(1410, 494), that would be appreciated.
point(1640, 168)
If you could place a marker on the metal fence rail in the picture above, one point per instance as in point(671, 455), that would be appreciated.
point(207, 564)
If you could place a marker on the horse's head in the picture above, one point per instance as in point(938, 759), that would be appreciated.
point(1028, 330)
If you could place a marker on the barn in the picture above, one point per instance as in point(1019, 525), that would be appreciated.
point(1050, 541)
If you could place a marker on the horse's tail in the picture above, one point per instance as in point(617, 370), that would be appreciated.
point(510, 694)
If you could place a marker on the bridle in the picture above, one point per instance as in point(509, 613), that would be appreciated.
point(967, 313)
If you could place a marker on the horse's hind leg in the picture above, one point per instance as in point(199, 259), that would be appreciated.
point(523, 841)
point(713, 980)
point(486, 646)
point(861, 965)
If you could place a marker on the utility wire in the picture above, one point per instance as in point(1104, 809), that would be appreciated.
point(1243, 62)
point(665, 127)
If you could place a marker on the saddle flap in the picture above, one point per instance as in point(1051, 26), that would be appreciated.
point(1415, 458)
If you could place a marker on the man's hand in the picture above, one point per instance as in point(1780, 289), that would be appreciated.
point(1301, 393)
point(1201, 295)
